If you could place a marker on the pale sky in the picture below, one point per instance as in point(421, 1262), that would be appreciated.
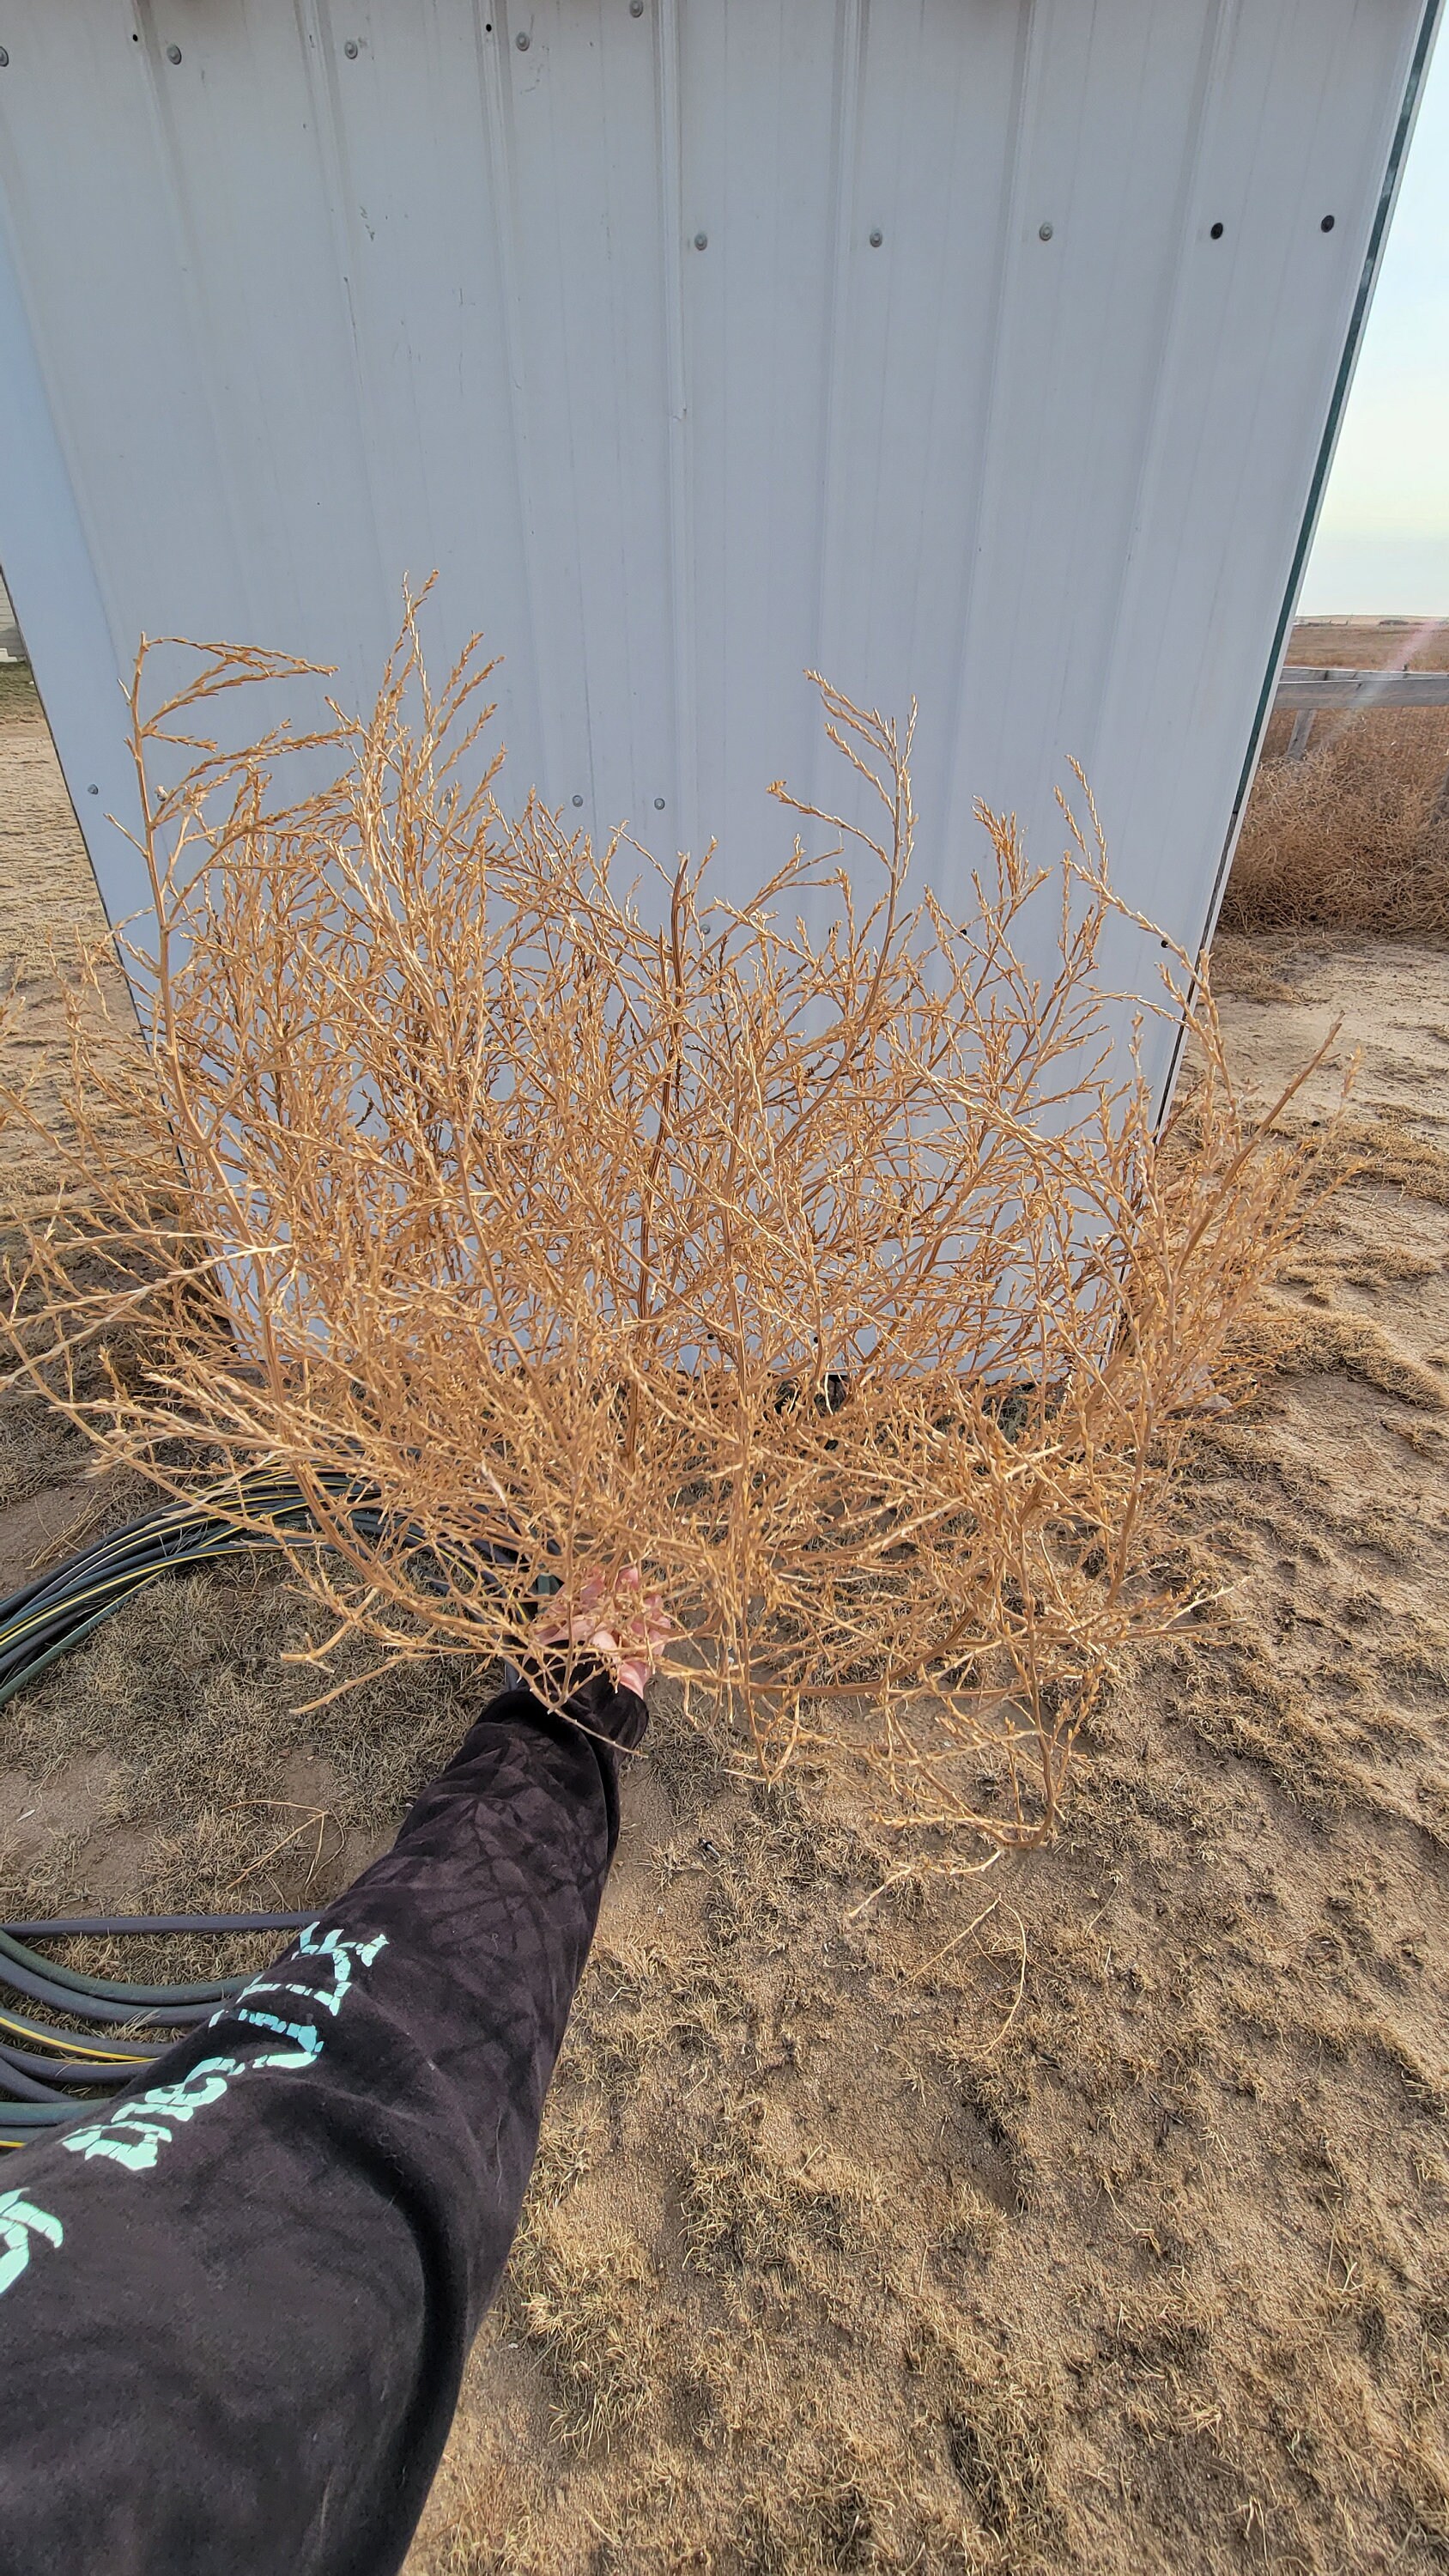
point(1383, 539)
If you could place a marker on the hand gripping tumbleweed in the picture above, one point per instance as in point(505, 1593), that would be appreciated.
point(841, 1290)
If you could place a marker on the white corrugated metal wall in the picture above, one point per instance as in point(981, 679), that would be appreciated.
point(981, 349)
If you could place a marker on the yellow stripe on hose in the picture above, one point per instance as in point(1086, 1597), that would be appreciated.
point(68, 2043)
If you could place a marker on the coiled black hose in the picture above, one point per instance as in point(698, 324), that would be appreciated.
point(43, 2090)
point(40, 2091)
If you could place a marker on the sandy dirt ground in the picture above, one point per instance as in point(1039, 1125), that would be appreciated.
point(1092, 2215)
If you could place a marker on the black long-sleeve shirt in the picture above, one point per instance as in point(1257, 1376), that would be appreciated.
point(236, 2299)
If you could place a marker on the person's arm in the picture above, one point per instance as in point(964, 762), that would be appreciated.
point(235, 2303)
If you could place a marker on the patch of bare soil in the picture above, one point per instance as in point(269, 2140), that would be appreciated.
point(48, 906)
point(1092, 2214)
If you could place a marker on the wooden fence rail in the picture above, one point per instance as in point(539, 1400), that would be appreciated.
point(1305, 692)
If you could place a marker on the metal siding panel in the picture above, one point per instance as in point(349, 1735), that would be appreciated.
point(932, 164)
point(582, 123)
point(422, 247)
point(271, 344)
point(95, 257)
point(759, 116)
point(51, 577)
point(1108, 130)
point(1244, 389)
point(298, 324)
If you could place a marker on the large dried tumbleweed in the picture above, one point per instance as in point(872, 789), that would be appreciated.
point(843, 1284)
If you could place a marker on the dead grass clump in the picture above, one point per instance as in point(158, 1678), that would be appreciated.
point(749, 2210)
point(999, 2437)
point(1382, 1150)
point(1351, 837)
point(821, 2519)
point(587, 2304)
point(1386, 1149)
point(1240, 970)
point(470, 2552)
point(173, 1743)
point(1302, 1344)
point(840, 1278)
point(1244, 1704)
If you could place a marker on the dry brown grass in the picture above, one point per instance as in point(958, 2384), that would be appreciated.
point(1352, 836)
point(1299, 1344)
point(842, 1282)
point(587, 2303)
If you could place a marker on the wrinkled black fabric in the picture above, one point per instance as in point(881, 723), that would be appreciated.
point(242, 2358)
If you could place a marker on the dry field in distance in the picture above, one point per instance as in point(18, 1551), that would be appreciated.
point(1355, 835)
point(1095, 2221)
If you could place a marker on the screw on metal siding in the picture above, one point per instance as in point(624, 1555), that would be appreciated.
point(350, 49)
point(701, 241)
point(1044, 232)
point(1216, 231)
point(1327, 224)
point(173, 53)
point(876, 239)
point(658, 804)
point(521, 41)
point(93, 791)
point(578, 800)
point(4, 58)
point(636, 8)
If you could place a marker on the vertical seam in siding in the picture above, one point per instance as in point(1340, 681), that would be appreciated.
point(831, 532)
point(188, 268)
point(953, 822)
point(682, 529)
point(1170, 319)
point(499, 155)
point(334, 171)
